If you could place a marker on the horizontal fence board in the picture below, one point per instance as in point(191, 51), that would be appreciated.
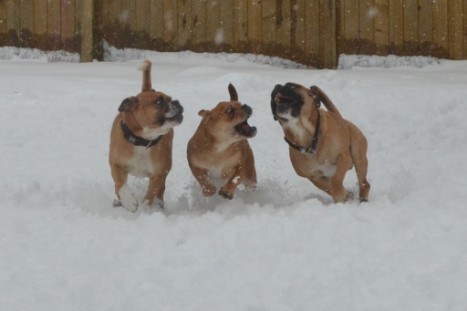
point(313, 32)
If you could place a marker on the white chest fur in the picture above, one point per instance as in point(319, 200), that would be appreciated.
point(140, 165)
point(326, 169)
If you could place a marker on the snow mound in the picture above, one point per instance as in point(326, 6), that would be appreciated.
point(390, 61)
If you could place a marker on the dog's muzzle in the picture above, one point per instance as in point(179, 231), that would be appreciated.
point(285, 100)
point(175, 112)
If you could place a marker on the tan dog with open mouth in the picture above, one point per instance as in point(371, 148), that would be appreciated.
point(141, 142)
point(323, 146)
point(219, 148)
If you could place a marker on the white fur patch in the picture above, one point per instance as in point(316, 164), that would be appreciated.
point(153, 133)
point(141, 164)
point(127, 198)
point(326, 169)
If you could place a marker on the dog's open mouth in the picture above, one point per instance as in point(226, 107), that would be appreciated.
point(178, 118)
point(245, 129)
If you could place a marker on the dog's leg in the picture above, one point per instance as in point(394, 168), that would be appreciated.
point(358, 150)
point(156, 189)
point(250, 171)
point(338, 192)
point(202, 177)
point(122, 190)
point(321, 183)
point(235, 179)
point(361, 167)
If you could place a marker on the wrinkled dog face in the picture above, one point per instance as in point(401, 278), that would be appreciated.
point(154, 110)
point(230, 119)
point(287, 101)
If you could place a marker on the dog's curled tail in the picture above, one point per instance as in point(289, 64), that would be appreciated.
point(145, 67)
point(322, 97)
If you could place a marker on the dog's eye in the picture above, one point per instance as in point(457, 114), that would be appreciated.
point(230, 111)
point(159, 102)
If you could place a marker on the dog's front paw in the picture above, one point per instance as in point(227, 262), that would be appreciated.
point(209, 191)
point(127, 199)
point(226, 194)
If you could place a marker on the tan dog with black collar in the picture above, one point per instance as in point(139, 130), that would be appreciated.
point(141, 142)
point(323, 146)
point(219, 149)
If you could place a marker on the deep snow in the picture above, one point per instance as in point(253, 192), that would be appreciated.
point(284, 247)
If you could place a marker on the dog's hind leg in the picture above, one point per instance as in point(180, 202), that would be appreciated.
point(338, 192)
point(358, 152)
point(361, 167)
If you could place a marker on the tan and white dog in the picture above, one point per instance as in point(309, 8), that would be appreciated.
point(323, 146)
point(219, 148)
point(141, 142)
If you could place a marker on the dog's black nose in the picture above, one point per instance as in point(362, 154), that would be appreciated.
point(247, 109)
point(176, 105)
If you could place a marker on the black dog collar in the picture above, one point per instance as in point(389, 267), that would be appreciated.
point(136, 140)
point(314, 141)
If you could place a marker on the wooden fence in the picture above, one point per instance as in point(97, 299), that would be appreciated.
point(313, 32)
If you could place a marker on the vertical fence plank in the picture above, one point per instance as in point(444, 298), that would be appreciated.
point(13, 22)
point(411, 27)
point(142, 25)
point(381, 27)
point(312, 32)
point(3, 23)
point(396, 27)
point(294, 22)
point(170, 22)
point(87, 42)
point(225, 37)
point(68, 25)
point(455, 29)
point(255, 26)
point(328, 34)
point(156, 27)
point(54, 25)
point(27, 23)
point(184, 14)
point(368, 12)
point(269, 26)
point(465, 31)
point(440, 29)
point(213, 8)
point(351, 23)
point(284, 25)
point(198, 23)
point(128, 22)
point(240, 25)
point(425, 29)
point(113, 31)
point(40, 24)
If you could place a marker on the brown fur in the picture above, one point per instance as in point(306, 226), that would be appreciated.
point(143, 115)
point(341, 144)
point(216, 147)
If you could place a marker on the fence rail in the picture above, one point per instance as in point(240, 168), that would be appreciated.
point(313, 32)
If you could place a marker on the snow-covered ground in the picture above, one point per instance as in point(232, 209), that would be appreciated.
point(286, 246)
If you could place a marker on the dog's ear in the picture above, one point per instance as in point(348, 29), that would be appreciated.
point(273, 101)
point(315, 94)
point(233, 93)
point(128, 103)
point(204, 113)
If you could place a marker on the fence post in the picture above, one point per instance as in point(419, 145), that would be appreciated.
point(328, 35)
point(87, 32)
